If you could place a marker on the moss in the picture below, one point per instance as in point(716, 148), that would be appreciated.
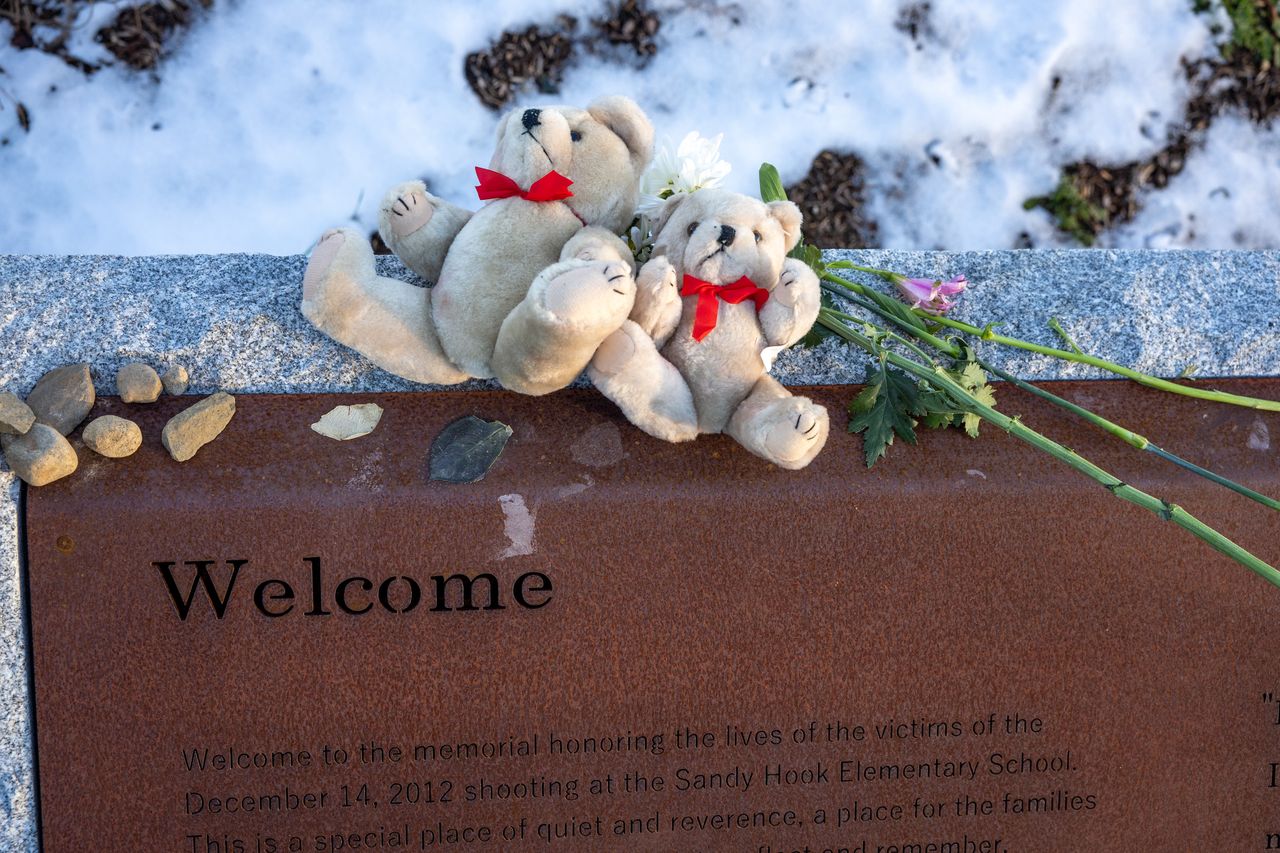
point(1071, 211)
point(1255, 27)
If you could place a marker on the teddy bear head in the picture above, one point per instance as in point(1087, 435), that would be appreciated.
point(721, 236)
point(603, 149)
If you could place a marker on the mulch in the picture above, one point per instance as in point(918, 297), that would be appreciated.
point(140, 35)
point(1241, 83)
point(537, 56)
point(832, 198)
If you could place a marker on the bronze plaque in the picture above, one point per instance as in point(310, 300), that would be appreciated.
point(611, 643)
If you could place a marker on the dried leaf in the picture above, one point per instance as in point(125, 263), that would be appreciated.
point(466, 449)
point(347, 422)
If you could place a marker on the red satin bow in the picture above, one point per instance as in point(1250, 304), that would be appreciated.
point(708, 311)
point(552, 186)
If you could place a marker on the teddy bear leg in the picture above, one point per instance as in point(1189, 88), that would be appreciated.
point(419, 227)
point(386, 320)
point(777, 426)
point(629, 370)
point(547, 339)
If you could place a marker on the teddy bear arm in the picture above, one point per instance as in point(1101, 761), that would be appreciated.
point(419, 227)
point(594, 243)
point(793, 304)
point(658, 305)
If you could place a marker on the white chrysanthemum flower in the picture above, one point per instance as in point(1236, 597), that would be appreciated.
point(694, 165)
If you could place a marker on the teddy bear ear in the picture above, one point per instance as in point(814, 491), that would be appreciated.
point(668, 209)
point(621, 115)
point(788, 216)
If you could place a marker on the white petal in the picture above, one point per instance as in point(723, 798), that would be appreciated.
point(769, 355)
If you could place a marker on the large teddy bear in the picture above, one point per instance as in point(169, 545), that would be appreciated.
point(717, 298)
point(527, 287)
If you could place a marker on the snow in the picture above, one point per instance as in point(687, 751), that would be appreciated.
point(270, 122)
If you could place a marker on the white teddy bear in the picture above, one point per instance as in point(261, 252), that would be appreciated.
point(717, 297)
point(527, 287)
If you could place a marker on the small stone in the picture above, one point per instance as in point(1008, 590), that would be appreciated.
point(138, 383)
point(41, 456)
point(175, 380)
point(16, 416)
point(63, 397)
point(190, 430)
point(112, 437)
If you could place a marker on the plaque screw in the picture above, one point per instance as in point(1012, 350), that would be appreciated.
point(65, 544)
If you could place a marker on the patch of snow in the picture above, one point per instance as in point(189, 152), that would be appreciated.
point(1228, 197)
point(271, 122)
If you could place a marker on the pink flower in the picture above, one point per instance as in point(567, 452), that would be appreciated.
point(932, 296)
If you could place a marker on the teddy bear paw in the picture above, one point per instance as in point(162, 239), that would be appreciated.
point(405, 209)
point(658, 305)
point(595, 295)
point(795, 429)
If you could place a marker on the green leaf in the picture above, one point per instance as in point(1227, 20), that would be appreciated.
point(811, 255)
point(771, 188)
point(466, 449)
point(972, 376)
point(974, 381)
point(883, 409)
point(939, 411)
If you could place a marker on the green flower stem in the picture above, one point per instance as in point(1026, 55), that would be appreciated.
point(932, 340)
point(1062, 333)
point(987, 334)
point(1163, 509)
point(1125, 435)
point(924, 356)
point(1130, 437)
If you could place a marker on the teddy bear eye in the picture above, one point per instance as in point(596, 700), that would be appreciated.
point(758, 237)
point(575, 136)
point(693, 226)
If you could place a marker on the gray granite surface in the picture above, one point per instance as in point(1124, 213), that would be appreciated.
point(233, 321)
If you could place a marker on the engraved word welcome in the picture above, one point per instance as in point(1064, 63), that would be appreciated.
point(354, 595)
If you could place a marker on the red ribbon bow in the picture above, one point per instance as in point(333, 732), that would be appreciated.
point(708, 311)
point(552, 186)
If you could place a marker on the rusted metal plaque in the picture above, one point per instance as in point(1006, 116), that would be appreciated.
point(967, 648)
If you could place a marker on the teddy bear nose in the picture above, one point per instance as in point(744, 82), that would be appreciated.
point(530, 119)
point(726, 235)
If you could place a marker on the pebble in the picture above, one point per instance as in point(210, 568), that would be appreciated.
point(175, 380)
point(138, 383)
point(190, 430)
point(112, 437)
point(16, 416)
point(63, 397)
point(41, 456)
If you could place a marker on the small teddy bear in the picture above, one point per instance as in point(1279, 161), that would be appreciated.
point(717, 297)
point(527, 287)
